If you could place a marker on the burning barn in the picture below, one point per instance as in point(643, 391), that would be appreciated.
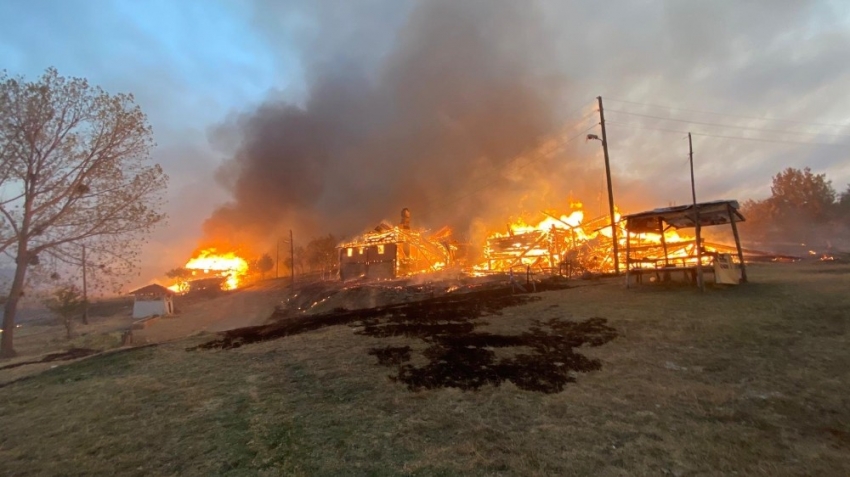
point(393, 251)
point(649, 242)
point(565, 244)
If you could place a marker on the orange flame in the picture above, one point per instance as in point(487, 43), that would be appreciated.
point(571, 238)
point(226, 264)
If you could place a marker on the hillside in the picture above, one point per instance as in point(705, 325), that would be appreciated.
point(747, 380)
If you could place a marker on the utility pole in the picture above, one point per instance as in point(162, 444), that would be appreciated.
point(610, 188)
point(292, 259)
point(700, 282)
point(85, 290)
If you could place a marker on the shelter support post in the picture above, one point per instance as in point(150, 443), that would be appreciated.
point(663, 241)
point(737, 243)
point(628, 254)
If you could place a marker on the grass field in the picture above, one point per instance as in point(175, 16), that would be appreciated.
point(749, 380)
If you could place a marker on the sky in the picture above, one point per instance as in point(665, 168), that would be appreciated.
point(231, 87)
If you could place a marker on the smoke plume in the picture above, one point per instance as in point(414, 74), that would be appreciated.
point(450, 112)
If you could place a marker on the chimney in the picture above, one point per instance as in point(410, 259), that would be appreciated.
point(405, 218)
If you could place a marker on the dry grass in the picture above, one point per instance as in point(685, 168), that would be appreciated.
point(40, 338)
point(750, 380)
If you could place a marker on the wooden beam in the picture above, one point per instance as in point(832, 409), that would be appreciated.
point(628, 255)
point(663, 241)
point(527, 249)
point(737, 243)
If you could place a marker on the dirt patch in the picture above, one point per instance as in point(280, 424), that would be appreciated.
point(545, 358)
point(841, 438)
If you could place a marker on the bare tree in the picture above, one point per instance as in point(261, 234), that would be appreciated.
point(322, 254)
point(75, 170)
point(66, 302)
point(299, 260)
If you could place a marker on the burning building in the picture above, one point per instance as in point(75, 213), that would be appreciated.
point(393, 251)
point(564, 244)
point(210, 269)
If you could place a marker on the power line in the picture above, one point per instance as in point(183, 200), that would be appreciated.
point(777, 141)
point(425, 205)
point(584, 105)
point(647, 128)
point(729, 126)
point(838, 144)
point(731, 114)
point(427, 208)
point(500, 178)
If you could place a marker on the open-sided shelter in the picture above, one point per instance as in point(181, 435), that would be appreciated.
point(685, 256)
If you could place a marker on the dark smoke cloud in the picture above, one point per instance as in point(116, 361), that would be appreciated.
point(422, 104)
point(459, 93)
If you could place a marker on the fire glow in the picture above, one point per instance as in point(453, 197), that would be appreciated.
point(228, 264)
point(570, 240)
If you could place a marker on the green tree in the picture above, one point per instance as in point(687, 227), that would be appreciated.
point(844, 206)
point(321, 253)
point(181, 276)
point(265, 264)
point(800, 195)
point(66, 303)
point(801, 205)
point(75, 170)
point(179, 273)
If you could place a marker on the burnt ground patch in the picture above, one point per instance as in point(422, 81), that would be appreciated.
point(73, 353)
point(468, 360)
point(391, 355)
point(544, 358)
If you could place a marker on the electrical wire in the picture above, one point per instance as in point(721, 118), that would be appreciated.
point(836, 144)
point(646, 128)
point(584, 105)
point(500, 178)
point(427, 208)
point(697, 133)
point(729, 114)
point(728, 126)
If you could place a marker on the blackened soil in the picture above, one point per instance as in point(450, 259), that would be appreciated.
point(391, 355)
point(467, 361)
point(454, 308)
point(544, 360)
point(72, 353)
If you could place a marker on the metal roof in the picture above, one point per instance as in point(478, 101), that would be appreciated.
point(154, 289)
point(682, 216)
